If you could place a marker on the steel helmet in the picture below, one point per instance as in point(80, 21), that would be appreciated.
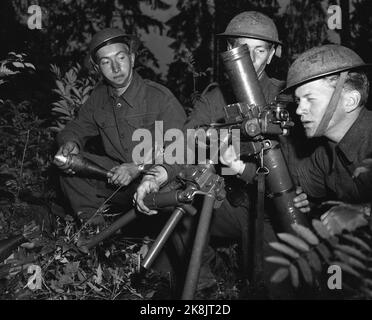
point(109, 36)
point(252, 24)
point(322, 61)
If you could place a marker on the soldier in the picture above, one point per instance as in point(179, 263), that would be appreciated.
point(260, 34)
point(120, 104)
point(331, 91)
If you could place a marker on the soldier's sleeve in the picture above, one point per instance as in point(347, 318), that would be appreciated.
point(208, 107)
point(81, 128)
point(173, 116)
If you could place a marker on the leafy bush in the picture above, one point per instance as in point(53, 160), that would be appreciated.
point(73, 90)
point(13, 64)
point(343, 239)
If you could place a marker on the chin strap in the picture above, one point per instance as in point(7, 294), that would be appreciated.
point(332, 105)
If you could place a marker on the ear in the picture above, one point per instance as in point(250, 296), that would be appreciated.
point(351, 100)
point(132, 58)
point(271, 54)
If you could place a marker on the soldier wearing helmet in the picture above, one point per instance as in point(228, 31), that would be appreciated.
point(332, 90)
point(120, 104)
point(260, 34)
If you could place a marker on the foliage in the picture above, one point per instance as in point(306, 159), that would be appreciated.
point(24, 143)
point(304, 26)
point(194, 28)
point(307, 255)
point(73, 90)
point(360, 23)
point(13, 64)
point(64, 41)
point(64, 272)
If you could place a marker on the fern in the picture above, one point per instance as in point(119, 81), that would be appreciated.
point(341, 238)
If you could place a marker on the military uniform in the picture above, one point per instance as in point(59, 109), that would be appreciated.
point(328, 173)
point(115, 119)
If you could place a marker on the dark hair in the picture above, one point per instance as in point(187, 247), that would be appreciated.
point(354, 81)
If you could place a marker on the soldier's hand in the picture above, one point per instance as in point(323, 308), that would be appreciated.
point(65, 150)
point(230, 159)
point(124, 174)
point(300, 201)
point(147, 186)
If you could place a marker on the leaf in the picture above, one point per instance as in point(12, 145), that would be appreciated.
point(92, 286)
point(349, 260)
point(86, 91)
point(314, 261)
point(65, 279)
point(368, 282)
point(306, 234)
point(294, 275)
point(352, 251)
point(150, 294)
point(284, 249)
point(294, 241)
point(18, 64)
point(278, 260)
point(367, 292)
point(98, 278)
point(323, 252)
point(347, 268)
point(71, 267)
point(60, 110)
point(321, 229)
point(143, 250)
point(77, 92)
point(60, 86)
point(35, 281)
point(305, 270)
point(54, 285)
point(357, 241)
point(279, 275)
point(30, 65)
point(55, 129)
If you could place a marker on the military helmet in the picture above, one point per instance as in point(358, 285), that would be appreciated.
point(109, 36)
point(322, 61)
point(252, 24)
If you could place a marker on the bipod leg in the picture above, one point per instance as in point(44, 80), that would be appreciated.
point(163, 237)
point(111, 229)
point(193, 271)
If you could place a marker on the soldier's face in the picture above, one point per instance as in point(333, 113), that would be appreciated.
point(261, 52)
point(116, 64)
point(313, 99)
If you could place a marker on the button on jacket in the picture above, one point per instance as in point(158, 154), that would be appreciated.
point(116, 118)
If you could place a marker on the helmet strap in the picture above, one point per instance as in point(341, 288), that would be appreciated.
point(332, 105)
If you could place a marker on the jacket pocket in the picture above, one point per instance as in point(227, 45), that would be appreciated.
point(146, 121)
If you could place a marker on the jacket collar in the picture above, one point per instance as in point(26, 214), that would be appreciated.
point(133, 94)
